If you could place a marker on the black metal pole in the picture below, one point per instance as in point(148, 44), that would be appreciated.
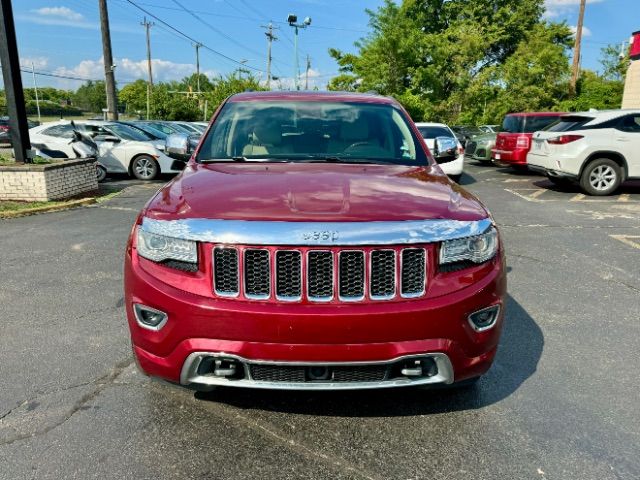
point(18, 126)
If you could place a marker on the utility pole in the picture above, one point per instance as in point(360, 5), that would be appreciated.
point(18, 127)
point(35, 87)
point(110, 81)
point(270, 38)
point(576, 49)
point(197, 47)
point(306, 75)
point(147, 26)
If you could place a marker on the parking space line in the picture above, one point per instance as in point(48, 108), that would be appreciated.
point(577, 198)
point(625, 197)
point(628, 240)
point(537, 194)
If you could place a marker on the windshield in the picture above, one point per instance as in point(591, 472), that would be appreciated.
point(433, 132)
point(129, 133)
point(151, 130)
point(312, 131)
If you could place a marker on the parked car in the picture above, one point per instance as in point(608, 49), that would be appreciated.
point(165, 127)
point(479, 148)
point(123, 149)
point(5, 137)
point(464, 133)
point(598, 150)
point(313, 243)
point(489, 128)
point(514, 140)
point(452, 165)
point(153, 133)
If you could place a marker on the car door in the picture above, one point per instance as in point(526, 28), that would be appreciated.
point(627, 138)
point(112, 152)
point(56, 137)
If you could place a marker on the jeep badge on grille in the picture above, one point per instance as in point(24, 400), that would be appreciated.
point(321, 235)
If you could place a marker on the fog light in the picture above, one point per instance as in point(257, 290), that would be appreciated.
point(149, 318)
point(484, 319)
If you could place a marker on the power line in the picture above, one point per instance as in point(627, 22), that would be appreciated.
point(191, 39)
point(218, 31)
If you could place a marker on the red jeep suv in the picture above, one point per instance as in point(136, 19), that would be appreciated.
point(312, 242)
point(514, 140)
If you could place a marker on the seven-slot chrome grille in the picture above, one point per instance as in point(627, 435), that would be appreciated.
point(319, 275)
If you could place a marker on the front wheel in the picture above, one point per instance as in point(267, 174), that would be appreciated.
point(101, 173)
point(455, 178)
point(145, 167)
point(602, 176)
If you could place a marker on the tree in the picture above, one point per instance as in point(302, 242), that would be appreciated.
point(91, 96)
point(134, 97)
point(459, 60)
point(614, 66)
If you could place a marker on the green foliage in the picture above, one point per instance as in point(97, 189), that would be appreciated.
point(134, 97)
point(594, 91)
point(614, 67)
point(91, 97)
point(460, 61)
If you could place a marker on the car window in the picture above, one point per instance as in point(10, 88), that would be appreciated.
point(304, 130)
point(59, 131)
point(128, 133)
point(630, 123)
point(568, 123)
point(434, 131)
point(513, 124)
point(535, 123)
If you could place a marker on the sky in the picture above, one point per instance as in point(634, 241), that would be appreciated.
point(62, 37)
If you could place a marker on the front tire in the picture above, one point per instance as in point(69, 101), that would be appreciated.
point(101, 173)
point(145, 168)
point(455, 178)
point(601, 177)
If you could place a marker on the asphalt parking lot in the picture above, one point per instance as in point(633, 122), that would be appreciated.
point(561, 401)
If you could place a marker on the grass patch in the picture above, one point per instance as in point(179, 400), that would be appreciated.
point(104, 193)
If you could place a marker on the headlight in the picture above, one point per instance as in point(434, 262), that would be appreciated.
point(477, 249)
point(159, 248)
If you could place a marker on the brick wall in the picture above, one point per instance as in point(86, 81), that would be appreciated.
point(47, 182)
point(631, 96)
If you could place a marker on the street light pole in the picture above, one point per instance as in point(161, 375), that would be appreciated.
point(35, 87)
point(293, 19)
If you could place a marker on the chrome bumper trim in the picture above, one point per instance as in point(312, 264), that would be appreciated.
point(189, 374)
point(276, 233)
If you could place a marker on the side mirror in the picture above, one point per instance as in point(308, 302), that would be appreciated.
point(106, 138)
point(445, 147)
point(177, 145)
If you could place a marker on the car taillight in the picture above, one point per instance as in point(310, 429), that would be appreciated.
point(522, 142)
point(563, 139)
point(4, 127)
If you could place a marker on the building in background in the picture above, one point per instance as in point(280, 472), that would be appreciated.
point(631, 96)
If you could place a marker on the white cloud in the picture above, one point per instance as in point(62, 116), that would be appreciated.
point(37, 62)
point(287, 83)
point(129, 70)
point(555, 8)
point(59, 16)
point(585, 30)
point(59, 12)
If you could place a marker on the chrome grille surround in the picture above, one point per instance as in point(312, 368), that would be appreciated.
point(410, 276)
point(288, 275)
point(383, 276)
point(226, 271)
point(351, 275)
point(320, 260)
point(257, 274)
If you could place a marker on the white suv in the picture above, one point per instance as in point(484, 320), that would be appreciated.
point(599, 150)
point(452, 166)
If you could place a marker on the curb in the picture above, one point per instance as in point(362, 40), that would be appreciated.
point(54, 208)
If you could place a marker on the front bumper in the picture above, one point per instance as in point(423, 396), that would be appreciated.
point(549, 172)
point(453, 167)
point(318, 334)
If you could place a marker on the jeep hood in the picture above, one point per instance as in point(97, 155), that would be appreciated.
point(313, 192)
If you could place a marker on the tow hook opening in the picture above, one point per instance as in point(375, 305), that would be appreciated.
point(221, 367)
point(418, 367)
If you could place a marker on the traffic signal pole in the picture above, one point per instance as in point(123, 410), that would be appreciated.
point(18, 126)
